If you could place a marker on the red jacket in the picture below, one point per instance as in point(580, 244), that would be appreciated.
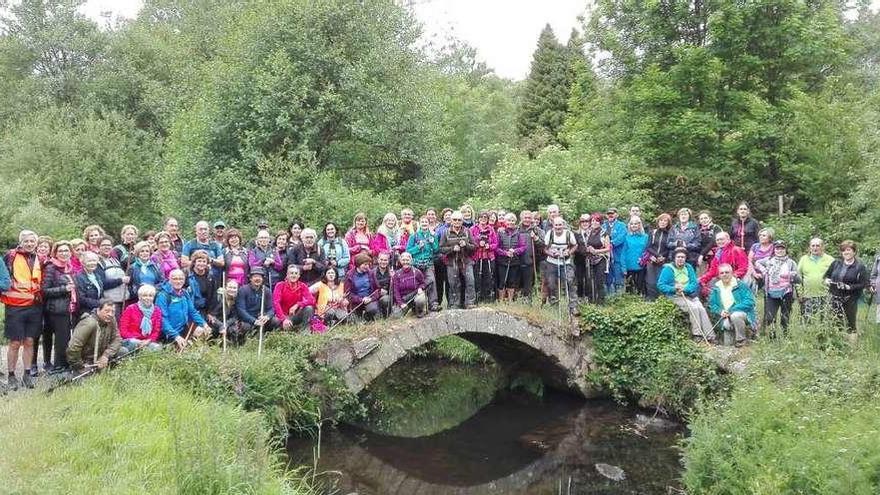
point(286, 295)
point(731, 255)
point(130, 323)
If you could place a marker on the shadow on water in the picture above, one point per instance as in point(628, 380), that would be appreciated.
point(510, 443)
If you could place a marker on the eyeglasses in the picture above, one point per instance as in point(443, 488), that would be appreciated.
point(724, 273)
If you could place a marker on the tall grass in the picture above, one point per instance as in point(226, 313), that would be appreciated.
point(114, 435)
point(805, 419)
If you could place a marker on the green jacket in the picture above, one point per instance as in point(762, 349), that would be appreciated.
point(812, 274)
point(81, 350)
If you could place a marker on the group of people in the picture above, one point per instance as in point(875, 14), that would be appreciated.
point(94, 299)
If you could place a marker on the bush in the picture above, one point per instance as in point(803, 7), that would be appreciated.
point(805, 419)
point(642, 353)
point(117, 435)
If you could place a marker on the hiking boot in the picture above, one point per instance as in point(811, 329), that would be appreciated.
point(741, 343)
point(28, 380)
point(13, 383)
point(469, 306)
point(435, 308)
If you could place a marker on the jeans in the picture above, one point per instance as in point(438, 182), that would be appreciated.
point(466, 269)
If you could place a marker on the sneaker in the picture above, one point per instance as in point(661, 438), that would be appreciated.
point(28, 380)
point(13, 383)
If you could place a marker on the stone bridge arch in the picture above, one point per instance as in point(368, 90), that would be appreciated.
point(546, 349)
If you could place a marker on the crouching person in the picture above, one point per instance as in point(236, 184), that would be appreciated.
point(179, 311)
point(409, 288)
point(363, 289)
point(253, 304)
point(293, 302)
point(141, 323)
point(95, 339)
point(678, 281)
point(732, 301)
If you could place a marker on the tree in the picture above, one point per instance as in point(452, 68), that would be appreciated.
point(546, 91)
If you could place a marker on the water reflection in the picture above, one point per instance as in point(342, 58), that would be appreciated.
point(514, 445)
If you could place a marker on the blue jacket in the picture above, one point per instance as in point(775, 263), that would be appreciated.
point(666, 281)
point(743, 300)
point(617, 234)
point(633, 247)
point(5, 279)
point(247, 304)
point(214, 249)
point(135, 273)
point(177, 311)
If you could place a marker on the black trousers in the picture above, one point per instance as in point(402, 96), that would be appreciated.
point(772, 306)
point(44, 337)
point(484, 280)
point(635, 282)
point(527, 281)
point(60, 326)
point(595, 283)
point(580, 275)
point(440, 281)
point(846, 308)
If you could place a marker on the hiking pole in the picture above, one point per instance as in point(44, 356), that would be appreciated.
point(262, 311)
point(223, 299)
point(694, 319)
point(559, 291)
point(350, 312)
point(506, 272)
point(567, 291)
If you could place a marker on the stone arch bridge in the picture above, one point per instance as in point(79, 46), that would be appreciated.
point(547, 349)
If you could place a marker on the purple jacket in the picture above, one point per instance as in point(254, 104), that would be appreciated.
point(514, 239)
point(406, 282)
point(256, 256)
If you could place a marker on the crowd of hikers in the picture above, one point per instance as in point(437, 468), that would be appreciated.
point(89, 301)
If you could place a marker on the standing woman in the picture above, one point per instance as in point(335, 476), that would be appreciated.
point(294, 229)
point(758, 251)
point(79, 248)
point(165, 257)
point(90, 284)
point(433, 221)
point(123, 251)
point(114, 276)
point(467, 214)
point(846, 278)
point(59, 294)
point(598, 249)
point(780, 274)
point(235, 257)
point(388, 238)
point(264, 255)
point(142, 270)
point(486, 239)
point(44, 248)
point(358, 236)
point(744, 229)
point(424, 246)
point(511, 247)
point(686, 234)
point(633, 249)
point(280, 247)
point(93, 235)
point(708, 230)
point(335, 249)
point(658, 254)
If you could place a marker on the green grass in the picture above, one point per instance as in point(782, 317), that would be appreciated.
point(115, 435)
point(805, 419)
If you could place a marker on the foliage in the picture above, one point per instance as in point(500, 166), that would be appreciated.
point(642, 352)
point(284, 384)
point(579, 179)
point(97, 168)
point(806, 409)
point(117, 435)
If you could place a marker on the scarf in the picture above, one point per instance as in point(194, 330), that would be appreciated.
point(146, 318)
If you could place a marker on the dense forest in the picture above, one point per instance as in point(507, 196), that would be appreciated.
point(315, 109)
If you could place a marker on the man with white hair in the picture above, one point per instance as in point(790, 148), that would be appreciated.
point(457, 245)
point(308, 256)
point(178, 311)
point(204, 242)
point(24, 306)
point(552, 212)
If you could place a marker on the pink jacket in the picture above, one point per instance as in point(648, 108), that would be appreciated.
point(286, 295)
point(354, 248)
point(488, 252)
point(732, 255)
point(379, 244)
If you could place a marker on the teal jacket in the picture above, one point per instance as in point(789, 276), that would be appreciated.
point(666, 281)
point(425, 254)
point(743, 300)
point(634, 246)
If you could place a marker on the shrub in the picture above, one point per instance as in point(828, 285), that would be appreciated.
point(805, 419)
point(641, 352)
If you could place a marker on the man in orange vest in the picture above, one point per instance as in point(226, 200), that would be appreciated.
point(24, 306)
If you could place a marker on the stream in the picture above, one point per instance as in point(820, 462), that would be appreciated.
point(435, 427)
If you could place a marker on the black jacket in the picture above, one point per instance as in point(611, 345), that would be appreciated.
point(55, 295)
point(854, 275)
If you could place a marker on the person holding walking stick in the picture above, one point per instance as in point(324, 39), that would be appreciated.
point(511, 247)
point(252, 306)
point(293, 302)
point(487, 242)
point(533, 254)
point(733, 302)
point(457, 245)
point(678, 281)
point(560, 245)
